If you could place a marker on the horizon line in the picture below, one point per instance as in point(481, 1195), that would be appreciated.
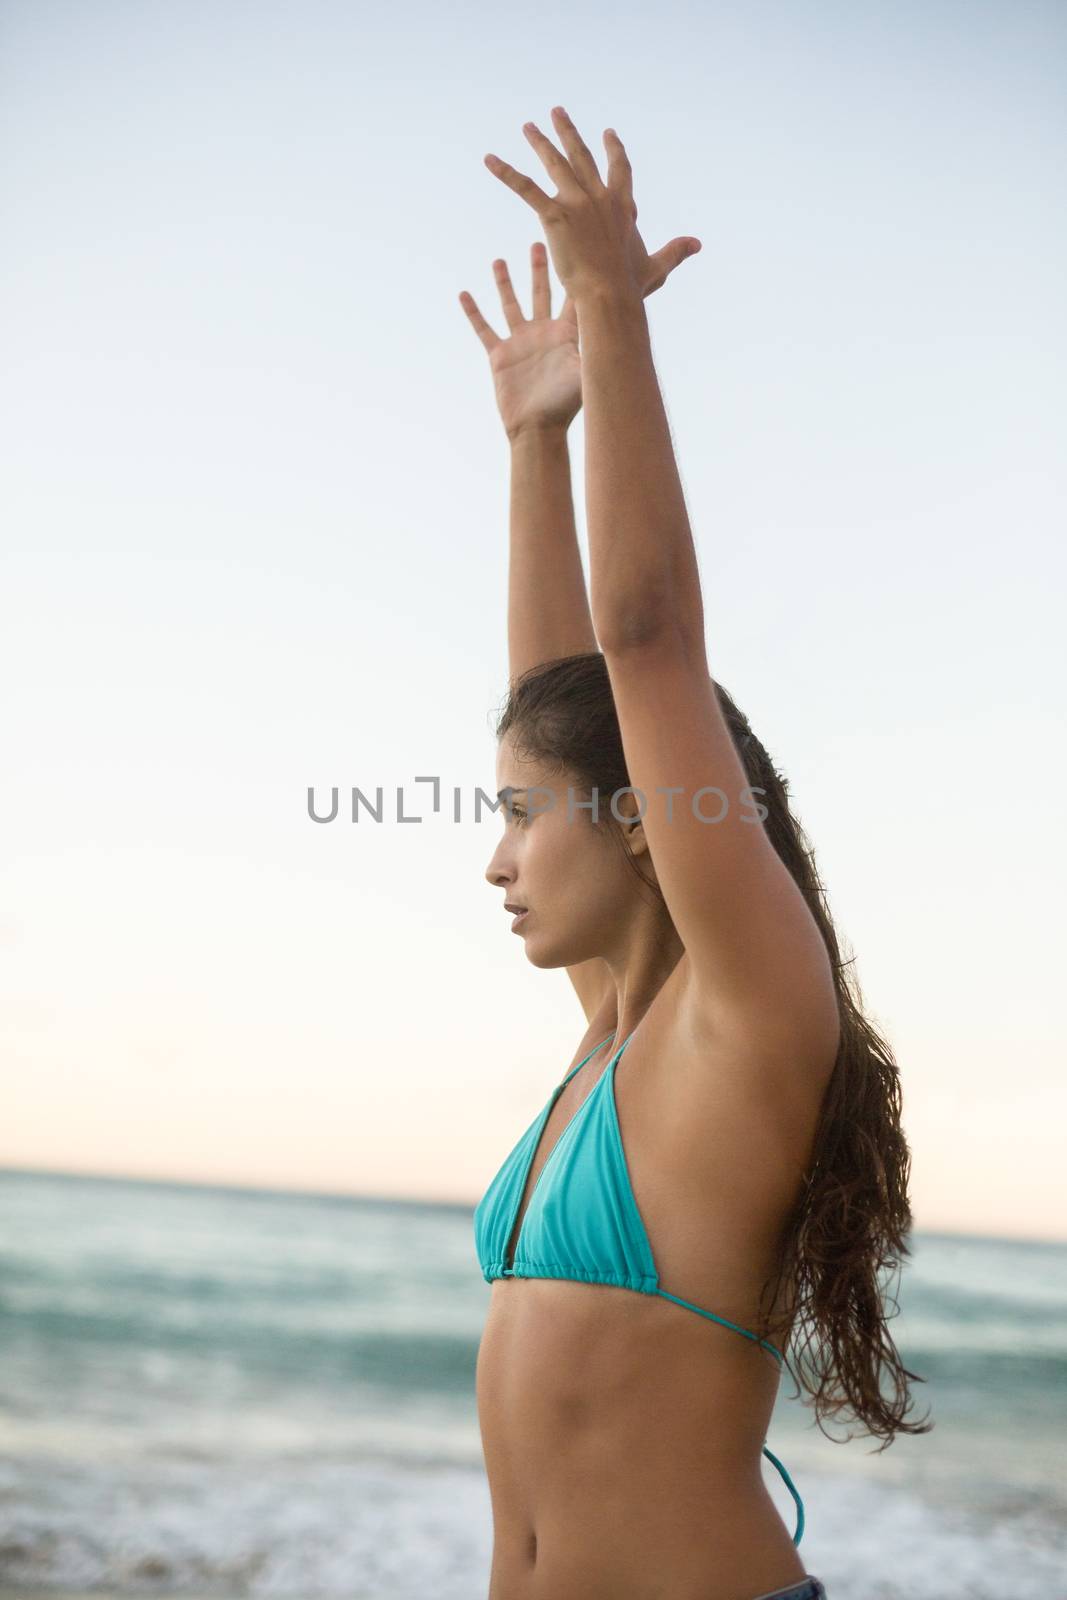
point(439, 1202)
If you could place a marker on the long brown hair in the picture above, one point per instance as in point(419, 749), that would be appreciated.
point(852, 1219)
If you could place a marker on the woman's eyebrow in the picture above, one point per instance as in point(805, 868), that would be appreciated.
point(511, 790)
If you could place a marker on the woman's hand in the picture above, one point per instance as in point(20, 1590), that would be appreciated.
point(591, 227)
point(537, 370)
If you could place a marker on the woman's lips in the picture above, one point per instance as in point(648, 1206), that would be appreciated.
point(519, 917)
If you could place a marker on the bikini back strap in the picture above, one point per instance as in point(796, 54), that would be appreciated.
point(791, 1486)
point(726, 1324)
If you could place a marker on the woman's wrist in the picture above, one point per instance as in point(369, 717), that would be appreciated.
point(538, 432)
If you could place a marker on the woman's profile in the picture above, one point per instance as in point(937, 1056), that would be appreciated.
point(721, 1176)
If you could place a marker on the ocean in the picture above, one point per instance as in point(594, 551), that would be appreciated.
point(223, 1392)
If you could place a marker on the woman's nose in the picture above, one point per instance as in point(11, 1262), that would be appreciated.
point(495, 872)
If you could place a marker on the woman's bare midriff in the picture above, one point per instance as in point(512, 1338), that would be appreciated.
point(623, 1451)
point(623, 1433)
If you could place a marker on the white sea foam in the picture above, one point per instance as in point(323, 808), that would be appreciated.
point(385, 1532)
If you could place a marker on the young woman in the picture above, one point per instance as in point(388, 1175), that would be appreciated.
point(724, 1160)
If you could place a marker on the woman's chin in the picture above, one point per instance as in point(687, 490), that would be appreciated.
point(542, 955)
point(535, 954)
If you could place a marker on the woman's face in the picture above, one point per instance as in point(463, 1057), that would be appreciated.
point(570, 874)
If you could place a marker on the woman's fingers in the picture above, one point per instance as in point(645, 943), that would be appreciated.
point(580, 172)
point(542, 291)
point(620, 172)
point(556, 165)
point(542, 299)
point(581, 157)
point(485, 333)
point(512, 308)
point(522, 185)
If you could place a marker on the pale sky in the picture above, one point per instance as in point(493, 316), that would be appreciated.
point(254, 507)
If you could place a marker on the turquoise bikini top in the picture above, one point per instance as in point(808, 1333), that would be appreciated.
point(582, 1221)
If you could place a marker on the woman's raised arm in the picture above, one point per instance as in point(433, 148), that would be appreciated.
point(759, 965)
point(537, 376)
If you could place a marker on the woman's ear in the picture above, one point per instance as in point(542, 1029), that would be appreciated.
point(639, 839)
point(636, 838)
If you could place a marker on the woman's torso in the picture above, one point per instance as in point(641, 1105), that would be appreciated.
point(623, 1433)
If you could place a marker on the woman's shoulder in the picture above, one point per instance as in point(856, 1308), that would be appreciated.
point(701, 1051)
